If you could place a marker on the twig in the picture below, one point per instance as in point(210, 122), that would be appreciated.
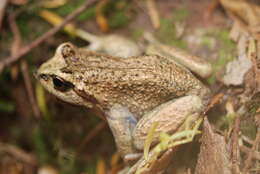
point(18, 153)
point(235, 146)
point(246, 150)
point(247, 140)
point(13, 58)
point(216, 99)
point(16, 44)
point(24, 67)
point(250, 157)
point(92, 134)
point(29, 89)
point(3, 4)
point(153, 12)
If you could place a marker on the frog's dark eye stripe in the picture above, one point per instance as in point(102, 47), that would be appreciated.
point(61, 85)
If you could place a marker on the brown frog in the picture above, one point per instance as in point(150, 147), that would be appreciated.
point(131, 93)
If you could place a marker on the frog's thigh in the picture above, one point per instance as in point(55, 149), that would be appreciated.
point(122, 122)
point(169, 117)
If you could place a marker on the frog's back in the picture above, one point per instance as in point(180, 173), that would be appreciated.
point(139, 83)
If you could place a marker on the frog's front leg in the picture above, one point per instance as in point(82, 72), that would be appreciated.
point(122, 123)
point(170, 118)
point(130, 134)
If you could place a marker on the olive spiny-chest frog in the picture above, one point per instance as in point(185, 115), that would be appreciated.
point(131, 93)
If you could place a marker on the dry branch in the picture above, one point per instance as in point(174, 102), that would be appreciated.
point(18, 153)
point(235, 153)
point(13, 58)
point(251, 154)
point(3, 4)
point(17, 41)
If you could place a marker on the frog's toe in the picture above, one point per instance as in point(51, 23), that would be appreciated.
point(132, 157)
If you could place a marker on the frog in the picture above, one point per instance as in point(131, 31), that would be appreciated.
point(131, 93)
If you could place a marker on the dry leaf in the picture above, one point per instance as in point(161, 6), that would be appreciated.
point(213, 157)
point(102, 22)
point(246, 13)
point(115, 163)
point(236, 70)
point(100, 18)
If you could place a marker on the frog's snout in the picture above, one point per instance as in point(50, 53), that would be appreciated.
point(37, 75)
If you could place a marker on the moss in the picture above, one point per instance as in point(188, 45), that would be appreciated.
point(226, 51)
point(137, 33)
point(87, 14)
point(118, 13)
point(22, 25)
point(167, 31)
point(71, 6)
point(7, 106)
point(67, 162)
point(248, 129)
point(114, 10)
point(118, 19)
point(208, 42)
point(223, 58)
point(90, 167)
point(248, 125)
point(180, 14)
point(40, 146)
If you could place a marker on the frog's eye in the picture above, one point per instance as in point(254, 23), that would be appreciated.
point(61, 85)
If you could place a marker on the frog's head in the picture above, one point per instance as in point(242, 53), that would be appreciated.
point(56, 76)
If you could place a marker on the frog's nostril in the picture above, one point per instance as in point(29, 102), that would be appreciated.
point(42, 76)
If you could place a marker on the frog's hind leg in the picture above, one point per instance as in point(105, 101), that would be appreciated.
point(169, 118)
point(122, 123)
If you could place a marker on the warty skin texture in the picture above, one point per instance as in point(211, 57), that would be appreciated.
point(99, 81)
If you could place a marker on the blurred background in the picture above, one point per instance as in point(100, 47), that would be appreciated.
point(39, 133)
